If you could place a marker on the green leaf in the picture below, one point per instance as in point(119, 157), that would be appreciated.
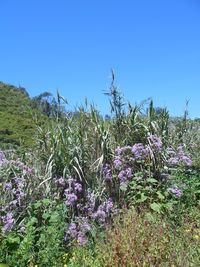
point(123, 188)
point(37, 205)
point(152, 181)
point(14, 239)
point(55, 217)
point(45, 215)
point(160, 196)
point(143, 198)
point(156, 207)
point(46, 201)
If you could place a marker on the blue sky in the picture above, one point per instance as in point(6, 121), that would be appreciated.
point(153, 46)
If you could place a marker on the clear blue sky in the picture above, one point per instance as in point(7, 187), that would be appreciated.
point(153, 46)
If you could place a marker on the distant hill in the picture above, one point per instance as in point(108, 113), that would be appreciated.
point(17, 125)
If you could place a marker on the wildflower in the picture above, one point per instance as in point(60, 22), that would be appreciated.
point(81, 239)
point(23, 229)
point(188, 230)
point(117, 162)
point(78, 187)
point(107, 172)
point(109, 205)
point(196, 237)
point(8, 220)
point(170, 151)
point(175, 190)
point(61, 181)
point(72, 231)
point(156, 142)
point(180, 151)
point(71, 198)
point(173, 161)
point(129, 173)
point(186, 160)
point(139, 151)
point(8, 186)
point(65, 265)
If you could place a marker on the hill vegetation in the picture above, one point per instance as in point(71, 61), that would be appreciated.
point(20, 115)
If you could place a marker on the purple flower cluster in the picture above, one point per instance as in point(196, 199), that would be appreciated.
point(8, 222)
point(122, 149)
point(126, 158)
point(175, 190)
point(139, 151)
point(117, 162)
point(80, 228)
point(107, 172)
point(180, 157)
point(170, 151)
point(124, 175)
point(19, 182)
point(156, 143)
point(71, 192)
point(61, 181)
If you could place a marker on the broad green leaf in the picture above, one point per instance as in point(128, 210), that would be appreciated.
point(160, 195)
point(152, 180)
point(156, 207)
point(45, 215)
point(123, 188)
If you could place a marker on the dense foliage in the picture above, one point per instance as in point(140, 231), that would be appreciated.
point(20, 115)
point(124, 191)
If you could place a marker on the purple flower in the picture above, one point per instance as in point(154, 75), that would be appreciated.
point(78, 187)
point(120, 150)
point(180, 158)
point(100, 213)
point(122, 175)
point(139, 151)
point(109, 205)
point(175, 190)
point(139, 178)
point(170, 151)
point(129, 173)
point(117, 162)
point(180, 151)
point(8, 186)
point(82, 238)
point(23, 229)
point(71, 232)
point(91, 201)
point(173, 161)
point(8, 220)
point(85, 226)
point(61, 181)
point(71, 198)
point(156, 143)
point(107, 172)
point(186, 160)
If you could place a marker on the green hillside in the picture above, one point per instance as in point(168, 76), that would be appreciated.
point(17, 125)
